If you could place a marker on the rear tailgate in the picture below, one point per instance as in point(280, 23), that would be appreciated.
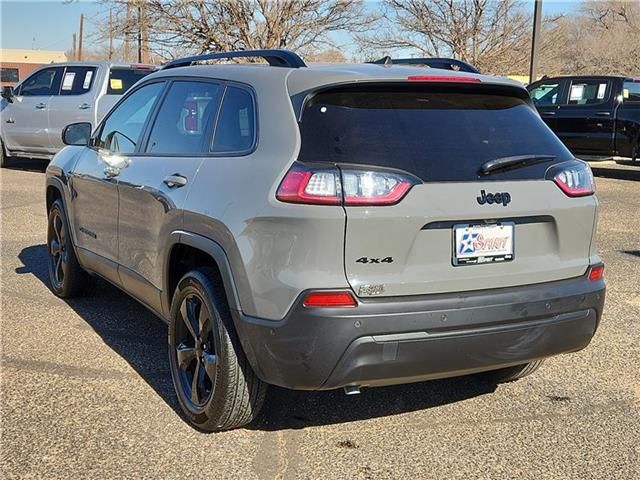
point(443, 134)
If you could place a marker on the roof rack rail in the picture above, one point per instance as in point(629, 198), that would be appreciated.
point(443, 63)
point(275, 58)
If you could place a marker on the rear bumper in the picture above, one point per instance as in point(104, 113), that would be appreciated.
point(400, 340)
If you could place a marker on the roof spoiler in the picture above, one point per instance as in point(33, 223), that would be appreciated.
point(275, 58)
point(442, 63)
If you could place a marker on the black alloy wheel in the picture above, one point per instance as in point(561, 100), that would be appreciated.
point(195, 351)
point(58, 253)
point(66, 277)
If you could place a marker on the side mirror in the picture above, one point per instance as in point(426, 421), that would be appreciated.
point(7, 93)
point(77, 134)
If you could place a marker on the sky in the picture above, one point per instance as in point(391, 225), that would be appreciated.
point(49, 25)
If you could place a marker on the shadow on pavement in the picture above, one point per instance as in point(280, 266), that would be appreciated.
point(617, 173)
point(27, 164)
point(140, 338)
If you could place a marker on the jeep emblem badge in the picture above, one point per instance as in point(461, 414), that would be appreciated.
point(500, 197)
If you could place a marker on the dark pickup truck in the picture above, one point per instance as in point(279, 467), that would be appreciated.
point(595, 116)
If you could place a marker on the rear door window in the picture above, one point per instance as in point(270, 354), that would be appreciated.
point(122, 79)
point(77, 80)
point(589, 91)
point(438, 134)
point(184, 123)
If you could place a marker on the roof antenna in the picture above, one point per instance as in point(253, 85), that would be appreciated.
point(386, 60)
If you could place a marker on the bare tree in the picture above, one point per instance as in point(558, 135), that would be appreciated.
point(602, 38)
point(492, 34)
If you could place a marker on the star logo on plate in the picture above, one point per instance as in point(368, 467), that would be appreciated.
point(466, 242)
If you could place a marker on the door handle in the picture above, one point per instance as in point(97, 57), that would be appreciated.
point(41, 106)
point(111, 172)
point(548, 114)
point(10, 120)
point(84, 106)
point(603, 114)
point(175, 181)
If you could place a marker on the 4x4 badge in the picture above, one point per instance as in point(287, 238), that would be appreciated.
point(501, 197)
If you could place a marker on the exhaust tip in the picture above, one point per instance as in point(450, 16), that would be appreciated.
point(352, 390)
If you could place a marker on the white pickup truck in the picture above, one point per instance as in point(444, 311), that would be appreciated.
point(33, 114)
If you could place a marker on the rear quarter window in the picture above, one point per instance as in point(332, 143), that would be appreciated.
point(439, 134)
point(77, 80)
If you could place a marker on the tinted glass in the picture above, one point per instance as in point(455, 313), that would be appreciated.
point(438, 134)
point(122, 79)
point(588, 92)
point(9, 75)
point(185, 120)
point(123, 128)
point(546, 94)
point(235, 130)
point(631, 91)
point(77, 80)
point(43, 83)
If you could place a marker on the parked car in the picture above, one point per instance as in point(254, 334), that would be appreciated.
point(33, 114)
point(340, 226)
point(594, 116)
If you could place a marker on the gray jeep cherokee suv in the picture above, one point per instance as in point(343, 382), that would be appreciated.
point(318, 227)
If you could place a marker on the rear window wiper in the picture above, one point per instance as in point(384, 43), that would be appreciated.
point(515, 161)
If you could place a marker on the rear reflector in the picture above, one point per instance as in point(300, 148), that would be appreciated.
point(329, 299)
point(443, 78)
point(596, 272)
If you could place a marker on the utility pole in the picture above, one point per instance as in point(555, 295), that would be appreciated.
point(127, 32)
point(110, 34)
point(139, 34)
point(73, 47)
point(535, 40)
point(80, 39)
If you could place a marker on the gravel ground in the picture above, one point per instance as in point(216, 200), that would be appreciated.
point(86, 391)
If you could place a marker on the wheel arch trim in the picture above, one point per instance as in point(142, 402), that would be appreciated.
point(211, 248)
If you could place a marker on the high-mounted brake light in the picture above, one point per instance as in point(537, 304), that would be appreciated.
point(443, 78)
point(347, 186)
point(574, 178)
point(596, 272)
point(329, 299)
point(142, 66)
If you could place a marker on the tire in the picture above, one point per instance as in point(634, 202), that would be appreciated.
point(204, 346)
point(4, 160)
point(66, 278)
point(511, 374)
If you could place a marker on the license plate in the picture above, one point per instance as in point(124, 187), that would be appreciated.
point(474, 244)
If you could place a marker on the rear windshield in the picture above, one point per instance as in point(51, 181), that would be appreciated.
point(122, 79)
point(437, 133)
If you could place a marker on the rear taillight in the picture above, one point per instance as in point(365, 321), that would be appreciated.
point(574, 178)
point(329, 299)
point(596, 272)
point(302, 184)
point(348, 186)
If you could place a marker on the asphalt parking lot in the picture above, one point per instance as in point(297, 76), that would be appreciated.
point(86, 390)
